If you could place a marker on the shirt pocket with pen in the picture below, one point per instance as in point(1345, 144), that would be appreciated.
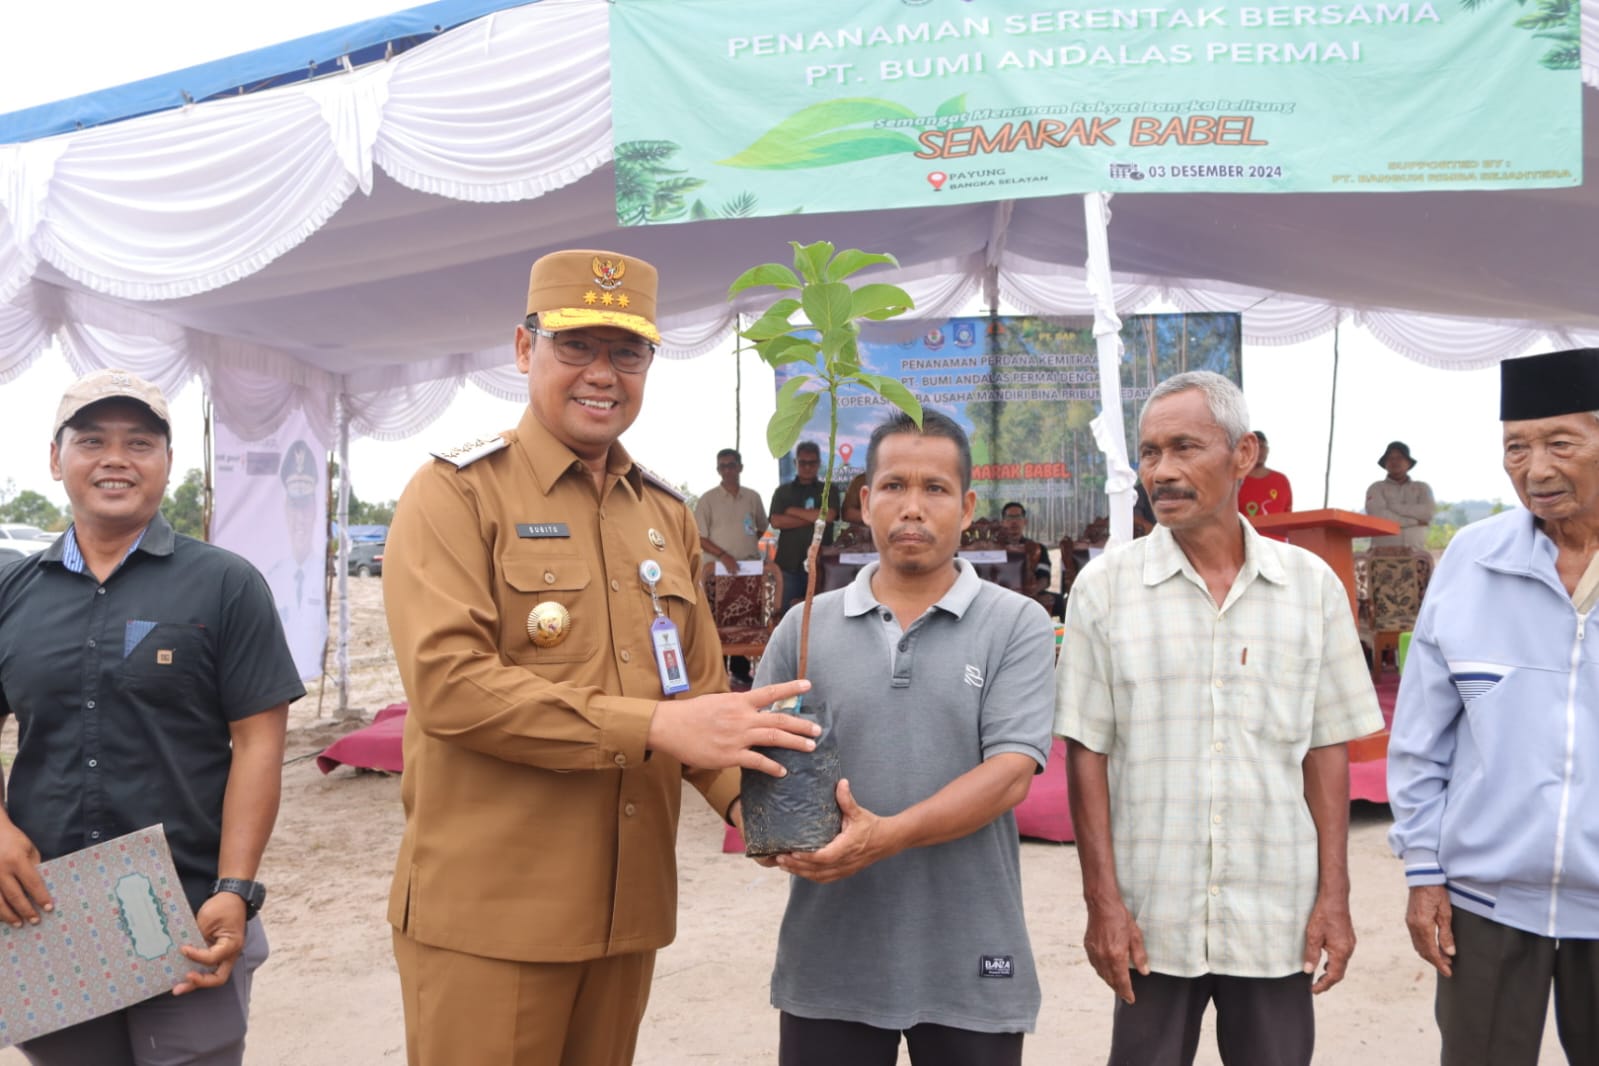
point(1276, 692)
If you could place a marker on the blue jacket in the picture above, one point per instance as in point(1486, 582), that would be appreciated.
point(1493, 765)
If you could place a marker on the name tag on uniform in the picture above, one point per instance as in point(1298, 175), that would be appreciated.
point(540, 530)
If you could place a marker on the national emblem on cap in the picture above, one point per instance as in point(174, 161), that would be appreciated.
point(584, 287)
point(298, 472)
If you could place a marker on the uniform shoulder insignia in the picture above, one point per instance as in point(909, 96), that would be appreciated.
point(472, 450)
point(652, 478)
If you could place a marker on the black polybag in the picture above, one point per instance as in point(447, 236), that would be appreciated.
point(799, 811)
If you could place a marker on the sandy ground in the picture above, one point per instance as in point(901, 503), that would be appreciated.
point(329, 994)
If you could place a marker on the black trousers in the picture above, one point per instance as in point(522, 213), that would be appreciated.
point(1260, 1021)
point(830, 1042)
point(1492, 1011)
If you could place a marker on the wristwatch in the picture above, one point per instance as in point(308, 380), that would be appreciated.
point(252, 892)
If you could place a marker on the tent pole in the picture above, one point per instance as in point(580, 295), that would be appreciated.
point(738, 381)
point(1109, 428)
point(342, 656)
point(207, 500)
point(1332, 420)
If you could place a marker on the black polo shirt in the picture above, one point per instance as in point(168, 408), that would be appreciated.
point(123, 693)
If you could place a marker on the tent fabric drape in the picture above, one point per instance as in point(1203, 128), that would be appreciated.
point(508, 111)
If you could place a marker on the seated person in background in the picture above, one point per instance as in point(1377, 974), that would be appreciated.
point(1035, 584)
point(1400, 499)
point(1264, 490)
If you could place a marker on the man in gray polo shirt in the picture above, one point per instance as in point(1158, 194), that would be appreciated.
point(938, 685)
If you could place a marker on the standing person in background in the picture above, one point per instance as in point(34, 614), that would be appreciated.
point(1401, 499)
point(1493, 766)
point(731, 519)
point(151, 683)
point(1264, 490)
point(1207, 684)
point(535, 581)
point(795, 509)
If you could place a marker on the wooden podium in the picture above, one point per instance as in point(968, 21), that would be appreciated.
point(1328, 533)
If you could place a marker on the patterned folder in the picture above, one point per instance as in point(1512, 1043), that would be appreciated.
point(120, 916)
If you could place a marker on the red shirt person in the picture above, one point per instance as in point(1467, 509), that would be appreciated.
point(1263, 490)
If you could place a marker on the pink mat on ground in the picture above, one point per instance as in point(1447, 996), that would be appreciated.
point(372, 747)
point(1046, 815)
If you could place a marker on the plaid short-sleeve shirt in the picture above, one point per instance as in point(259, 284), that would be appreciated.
point(1206, 715)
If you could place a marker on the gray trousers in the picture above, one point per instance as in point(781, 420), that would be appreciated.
point(201, 1028)
point(1260, 1021)
point(1492, 1011)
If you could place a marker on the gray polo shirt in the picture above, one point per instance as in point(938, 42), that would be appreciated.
point(933, 934)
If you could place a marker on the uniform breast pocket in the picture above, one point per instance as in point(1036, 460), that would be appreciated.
point(1281, 697)
point(679, 594)
point(158, 654)
point(550, 597)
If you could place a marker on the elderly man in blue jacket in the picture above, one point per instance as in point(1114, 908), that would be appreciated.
point(1493, 766)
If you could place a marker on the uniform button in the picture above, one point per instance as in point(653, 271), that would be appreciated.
point(616, 586)
point(1216, 819)
point(549, 578)
point(1220, 683)
point(91, 642)
point(1215, 890)
point(100, 591)
point(627, 656)
point(904, 645)
point(630, 810)
point(621, 760)
point(90, 705)
point(93, 763)
point(94, 834)
point(1217, 746)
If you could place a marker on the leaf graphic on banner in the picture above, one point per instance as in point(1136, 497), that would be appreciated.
point(955, 105)
point(826, 134)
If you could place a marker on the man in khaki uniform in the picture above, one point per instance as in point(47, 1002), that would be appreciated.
point(543, 762)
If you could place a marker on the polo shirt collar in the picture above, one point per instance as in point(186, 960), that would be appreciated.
point(551, 460)
point(859, 600)
point(157, 539)
point(1164, 558)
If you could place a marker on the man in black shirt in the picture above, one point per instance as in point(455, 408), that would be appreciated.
point(795, 508)
point(151, 682)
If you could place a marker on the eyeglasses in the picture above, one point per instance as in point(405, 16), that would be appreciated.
point(579, 349)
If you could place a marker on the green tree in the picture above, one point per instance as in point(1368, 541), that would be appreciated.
point(31, 509)
point(184, 506)
point(371, 514)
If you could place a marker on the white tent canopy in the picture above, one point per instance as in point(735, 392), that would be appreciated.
point(367, 236)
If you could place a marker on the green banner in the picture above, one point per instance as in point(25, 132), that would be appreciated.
point(734, 108)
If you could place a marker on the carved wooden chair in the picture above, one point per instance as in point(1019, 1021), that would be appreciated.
point(1389, 586)
point(745, 607)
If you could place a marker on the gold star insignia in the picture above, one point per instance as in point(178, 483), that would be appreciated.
point(589, 297)
point(607, 299)
point(622, 300)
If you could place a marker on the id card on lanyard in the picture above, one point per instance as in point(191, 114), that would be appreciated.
point(664, 640)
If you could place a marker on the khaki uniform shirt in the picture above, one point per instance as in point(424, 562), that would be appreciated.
point(732, 523)
point(537, 826)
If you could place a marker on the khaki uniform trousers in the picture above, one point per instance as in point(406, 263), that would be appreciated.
point(463, 1008)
